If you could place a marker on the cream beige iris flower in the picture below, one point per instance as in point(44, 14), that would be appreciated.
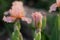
point(16, 12)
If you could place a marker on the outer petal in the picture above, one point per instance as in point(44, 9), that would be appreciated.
point(58, 3)
point(53, 7)
point(9, 19)
point(28, 20)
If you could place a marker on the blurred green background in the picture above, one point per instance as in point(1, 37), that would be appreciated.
point(38, 4)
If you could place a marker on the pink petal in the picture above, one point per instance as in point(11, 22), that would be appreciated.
point(37, 17)
point(28, 20)
point(53, 7)
point(9, 19)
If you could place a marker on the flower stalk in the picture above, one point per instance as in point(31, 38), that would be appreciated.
point(37, 17)
point(16, 35)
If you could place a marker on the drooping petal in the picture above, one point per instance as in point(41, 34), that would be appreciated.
point(28, 20)
point(53, 7)
point(8, 19)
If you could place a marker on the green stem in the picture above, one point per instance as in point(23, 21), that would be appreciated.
point(37, 35)
point(16, 35)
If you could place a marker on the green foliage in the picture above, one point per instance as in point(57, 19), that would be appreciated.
point(9, 27)
point(44, 4)
point(44, 23)
point(4, 6)
point(16, 35)
point(56, 30)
